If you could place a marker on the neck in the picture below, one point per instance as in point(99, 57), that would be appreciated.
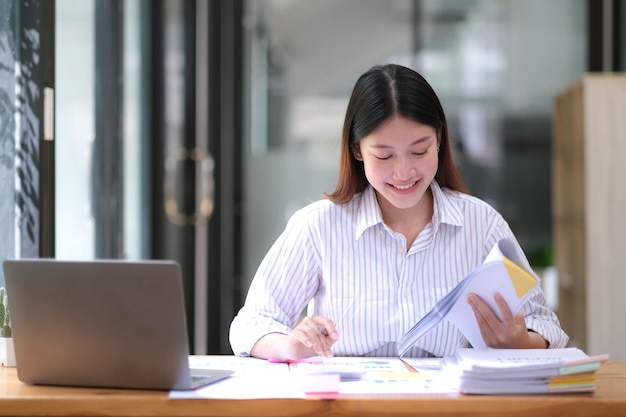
point(410, 221)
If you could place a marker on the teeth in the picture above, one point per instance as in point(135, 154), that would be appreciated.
point(404, 187)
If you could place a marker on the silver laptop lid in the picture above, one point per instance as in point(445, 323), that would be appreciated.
point(103, 323)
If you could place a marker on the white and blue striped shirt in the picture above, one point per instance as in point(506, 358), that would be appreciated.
point(360, 275)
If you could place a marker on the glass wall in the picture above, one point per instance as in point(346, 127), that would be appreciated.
point(496, 65)
point(135, 246)
point(75, 130)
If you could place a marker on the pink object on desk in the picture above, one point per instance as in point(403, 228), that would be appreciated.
point(316, 383)
point(312, 359)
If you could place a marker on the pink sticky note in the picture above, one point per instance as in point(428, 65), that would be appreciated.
point(316, 383)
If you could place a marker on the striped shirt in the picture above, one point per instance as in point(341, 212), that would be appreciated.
point(357, 272)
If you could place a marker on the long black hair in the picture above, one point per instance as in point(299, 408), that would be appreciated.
point(385, 91)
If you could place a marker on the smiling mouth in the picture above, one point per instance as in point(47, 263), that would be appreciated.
point(404, 187)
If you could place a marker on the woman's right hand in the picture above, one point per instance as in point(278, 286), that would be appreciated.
point(307, 339)
point(312, 336)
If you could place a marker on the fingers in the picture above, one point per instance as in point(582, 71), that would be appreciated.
point(484, 317)
point(503, 307)
point(317, 334)
point(493, 330)
point(329, 329)
point(510, 332)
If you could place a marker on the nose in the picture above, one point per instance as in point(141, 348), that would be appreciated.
point(404, 169)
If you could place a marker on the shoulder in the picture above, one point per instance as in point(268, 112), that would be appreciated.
point(323, 219)
point(478, 219)
point(324, 210)
point(469, 205)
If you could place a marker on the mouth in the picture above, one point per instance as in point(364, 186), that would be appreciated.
point(404, 187)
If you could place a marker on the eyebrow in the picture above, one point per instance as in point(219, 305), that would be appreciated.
point(418, 141)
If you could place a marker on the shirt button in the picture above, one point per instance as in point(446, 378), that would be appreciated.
point(407, 293)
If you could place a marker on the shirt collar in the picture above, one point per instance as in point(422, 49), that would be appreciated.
point(445, 209)
point(368, 212)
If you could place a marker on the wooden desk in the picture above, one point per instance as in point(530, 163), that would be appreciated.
point(18, 399)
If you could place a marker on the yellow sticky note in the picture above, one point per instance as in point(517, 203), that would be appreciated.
point(521, 279)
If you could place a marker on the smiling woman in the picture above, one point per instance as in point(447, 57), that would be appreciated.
point(397, 227)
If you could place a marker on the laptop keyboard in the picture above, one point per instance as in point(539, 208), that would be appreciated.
point(198, 381)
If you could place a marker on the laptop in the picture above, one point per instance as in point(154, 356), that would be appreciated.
point(104, 323)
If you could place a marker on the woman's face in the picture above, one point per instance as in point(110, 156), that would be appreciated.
point(400, 159)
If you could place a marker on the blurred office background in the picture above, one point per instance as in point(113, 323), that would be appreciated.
point(192, 130)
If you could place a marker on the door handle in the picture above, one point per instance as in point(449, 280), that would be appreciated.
point(205, 186)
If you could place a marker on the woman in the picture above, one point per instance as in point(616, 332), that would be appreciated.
point(396, 235)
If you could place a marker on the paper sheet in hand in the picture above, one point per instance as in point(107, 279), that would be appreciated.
point(505, 270)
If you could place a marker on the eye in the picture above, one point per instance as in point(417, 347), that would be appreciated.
point(420, 153)
point(382, 158)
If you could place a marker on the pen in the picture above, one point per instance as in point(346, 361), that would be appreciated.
point(322, 330)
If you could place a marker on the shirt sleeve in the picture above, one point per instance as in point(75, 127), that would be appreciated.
point(541, 319)
point(285, 281)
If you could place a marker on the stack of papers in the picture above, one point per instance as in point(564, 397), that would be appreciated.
point(527, 371)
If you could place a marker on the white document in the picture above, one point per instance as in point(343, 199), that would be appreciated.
point(257, 378)
point(505, 270)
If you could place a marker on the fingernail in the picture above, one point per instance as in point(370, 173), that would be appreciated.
point(470, 299)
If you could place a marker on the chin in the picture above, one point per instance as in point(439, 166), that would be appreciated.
point(405, 203)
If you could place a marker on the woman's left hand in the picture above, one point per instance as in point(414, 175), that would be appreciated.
point(510, 332)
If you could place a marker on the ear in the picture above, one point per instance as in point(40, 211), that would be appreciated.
point(356, 151)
